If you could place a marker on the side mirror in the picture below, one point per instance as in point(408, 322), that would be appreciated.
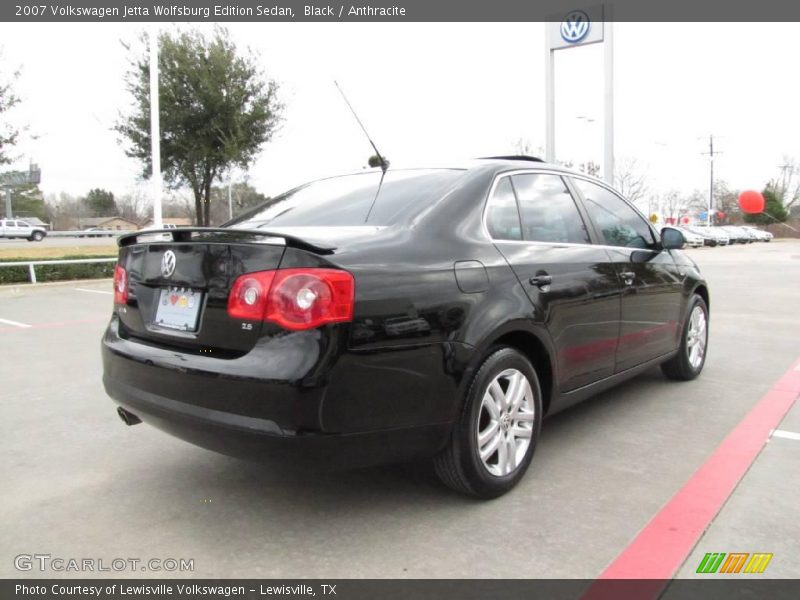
point(672, 239)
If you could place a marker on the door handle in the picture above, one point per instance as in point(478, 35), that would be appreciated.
point(541, 280)
point(628, 277)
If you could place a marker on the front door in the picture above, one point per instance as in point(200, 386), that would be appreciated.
point(651, 281)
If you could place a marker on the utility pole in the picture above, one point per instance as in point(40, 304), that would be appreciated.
point(710, 154)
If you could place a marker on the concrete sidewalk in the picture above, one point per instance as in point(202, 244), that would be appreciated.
point(763, 513)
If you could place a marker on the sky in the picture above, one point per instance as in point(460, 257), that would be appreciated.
point(429, 93)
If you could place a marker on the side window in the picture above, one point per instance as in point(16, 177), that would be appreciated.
point(615, 220)
point(502, 215)
point(548, 210)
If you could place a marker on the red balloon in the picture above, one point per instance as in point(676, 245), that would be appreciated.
point(751, 202)
point(685, 220)
point(721, 214)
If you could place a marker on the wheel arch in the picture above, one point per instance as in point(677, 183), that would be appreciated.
point(702, 291)
point(531, 344)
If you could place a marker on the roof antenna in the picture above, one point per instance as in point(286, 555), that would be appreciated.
point(381, 158)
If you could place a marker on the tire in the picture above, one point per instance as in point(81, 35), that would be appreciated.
point(691, 357)
point(37, 236)
point(460, 465)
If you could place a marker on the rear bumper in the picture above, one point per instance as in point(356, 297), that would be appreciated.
point(350, 412)
point(263, 440)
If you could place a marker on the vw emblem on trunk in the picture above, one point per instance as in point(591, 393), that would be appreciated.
point(168, 263)
point(575, 26)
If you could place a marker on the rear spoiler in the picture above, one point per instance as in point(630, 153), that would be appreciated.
point(224, 235)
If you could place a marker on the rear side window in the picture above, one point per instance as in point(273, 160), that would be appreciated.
point(615, 220)
point(548, 211)
point(353, 200)
point(502, 214)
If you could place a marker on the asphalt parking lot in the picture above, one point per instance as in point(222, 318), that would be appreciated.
point(78, 483)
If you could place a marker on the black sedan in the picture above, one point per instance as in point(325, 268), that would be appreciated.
point(387, 316)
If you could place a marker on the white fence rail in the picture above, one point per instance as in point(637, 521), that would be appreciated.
point(80, 234)
point(32, 264)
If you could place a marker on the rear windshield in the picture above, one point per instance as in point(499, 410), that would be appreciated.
point(353, 200)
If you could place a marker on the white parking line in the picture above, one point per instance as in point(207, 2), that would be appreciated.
point(787, 435)
point(93, 291)
point(14, 323)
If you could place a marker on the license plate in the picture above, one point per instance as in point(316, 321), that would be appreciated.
point(178, 308)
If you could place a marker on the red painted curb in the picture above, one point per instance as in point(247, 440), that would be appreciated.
point(660, 548)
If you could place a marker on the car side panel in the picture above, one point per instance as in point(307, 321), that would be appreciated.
point(651, 305)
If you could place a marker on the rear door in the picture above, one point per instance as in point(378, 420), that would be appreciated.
point(651, 281)
point(536, 224)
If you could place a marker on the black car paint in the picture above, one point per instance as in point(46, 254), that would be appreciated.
point(432, 297)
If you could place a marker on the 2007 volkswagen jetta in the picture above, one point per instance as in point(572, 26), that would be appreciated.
point(385, 316)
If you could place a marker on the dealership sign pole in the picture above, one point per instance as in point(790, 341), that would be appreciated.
point(579, 28)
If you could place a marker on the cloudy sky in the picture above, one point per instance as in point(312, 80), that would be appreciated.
point(431, 92)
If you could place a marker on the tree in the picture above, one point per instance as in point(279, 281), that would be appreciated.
point(726, 201)
point(243, 198)
point(673, 205)
point(9, 134)
point(133, 206)
point(63, 211)
point(590, 168)
point(524, 147)
point(217, 109)
point(787, 185)
point(774, 211)
point(27, 201)
point(631, 181)
point(100, 203)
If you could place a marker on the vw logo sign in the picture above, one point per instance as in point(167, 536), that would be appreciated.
point(575, 26)
point(168, 263)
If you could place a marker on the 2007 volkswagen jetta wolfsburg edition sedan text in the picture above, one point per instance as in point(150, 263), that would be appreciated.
point(380, 317)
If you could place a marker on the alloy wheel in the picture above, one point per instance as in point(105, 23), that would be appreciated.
point(696, 337)
point(505, 422)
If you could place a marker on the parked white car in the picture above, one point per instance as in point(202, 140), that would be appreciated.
point(712, 236)
point(16, 228)
point(692, 239)
point(760, 234)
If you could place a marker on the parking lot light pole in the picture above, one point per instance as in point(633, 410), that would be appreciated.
point(155, 129)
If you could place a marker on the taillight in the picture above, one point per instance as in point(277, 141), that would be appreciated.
point(295, 299)
point(248, 297)
point(120, 285)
